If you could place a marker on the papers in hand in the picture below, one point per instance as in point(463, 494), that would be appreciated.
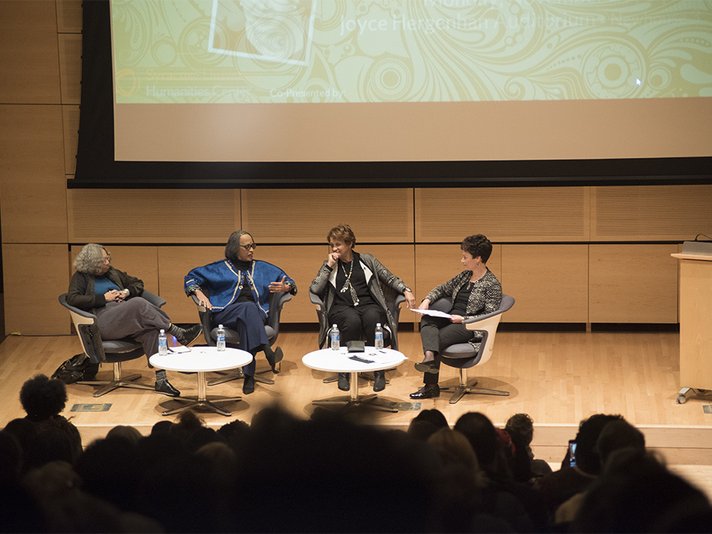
point(432, 313)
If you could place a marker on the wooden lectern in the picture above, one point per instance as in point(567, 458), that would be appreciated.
point(695, 320)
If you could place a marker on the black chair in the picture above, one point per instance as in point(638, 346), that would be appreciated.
point(232, 338)
point(463, 356)
point(390, 339)
point(108, 351)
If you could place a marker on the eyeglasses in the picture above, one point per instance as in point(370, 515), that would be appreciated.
point(106, 258)
point(249, 246)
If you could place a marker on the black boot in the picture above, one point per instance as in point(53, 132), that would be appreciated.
point(164, 386)
point(185, 336)
point(274, 357)
point(248, 385)
point(344, 382)
point(379, 380)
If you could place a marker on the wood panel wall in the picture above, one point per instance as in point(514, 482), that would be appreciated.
point(567, 254)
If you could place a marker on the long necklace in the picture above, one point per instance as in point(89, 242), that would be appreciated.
point(348, 286)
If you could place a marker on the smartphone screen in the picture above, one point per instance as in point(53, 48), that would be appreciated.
point(572, 453)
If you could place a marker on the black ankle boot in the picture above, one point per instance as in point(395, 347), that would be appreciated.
point(165, 387)
point(274, 357)
point(185, 336)
point(379, 380)
point(248, 384)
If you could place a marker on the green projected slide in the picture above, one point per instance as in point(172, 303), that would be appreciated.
point(333, 51)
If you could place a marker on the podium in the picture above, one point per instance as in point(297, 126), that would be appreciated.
point(695, 320)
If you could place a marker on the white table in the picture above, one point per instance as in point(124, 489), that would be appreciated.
point(342, 361)
point(202, 360)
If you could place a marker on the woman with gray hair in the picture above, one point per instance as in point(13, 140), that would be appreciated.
point(115, 298)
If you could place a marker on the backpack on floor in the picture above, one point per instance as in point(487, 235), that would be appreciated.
point(76, 368)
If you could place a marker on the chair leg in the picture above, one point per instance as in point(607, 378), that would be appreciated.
point(463, 389)
point(116, 382)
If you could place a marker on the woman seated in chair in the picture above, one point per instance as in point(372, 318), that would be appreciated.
point(236, 290)
point(475, 291)
point(355, 289)
point(115, 298)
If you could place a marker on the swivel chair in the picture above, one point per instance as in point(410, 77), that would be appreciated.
point(463, 356)
point(108, 351)
point(232, 337)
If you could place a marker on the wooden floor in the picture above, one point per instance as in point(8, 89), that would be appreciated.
point(559, 378)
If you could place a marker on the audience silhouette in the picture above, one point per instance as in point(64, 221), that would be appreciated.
point(330, 474)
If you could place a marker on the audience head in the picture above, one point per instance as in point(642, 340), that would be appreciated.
point(343, 233)
point(521, 426)
point(618, 435)
point(455, 450)
point(42, 397)
point(590, 429)
point(91, 259)
point(232, 247)
point(482, 435)
point(126, 432)
point(637, 493)
point(477, 245)
point(434, 416)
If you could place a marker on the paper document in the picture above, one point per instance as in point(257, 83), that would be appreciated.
point(432, 313)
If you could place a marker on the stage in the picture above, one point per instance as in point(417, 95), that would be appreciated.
point(558, 378)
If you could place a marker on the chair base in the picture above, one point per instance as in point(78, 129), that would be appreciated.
point(239, 375)
point(464, 389)
point(345, 402)
point(197, 403)
point(116, 382)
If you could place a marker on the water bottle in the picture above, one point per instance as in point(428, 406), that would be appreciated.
point(162, 343)
point(334, 337)
point(378, 337)
point(221, 337)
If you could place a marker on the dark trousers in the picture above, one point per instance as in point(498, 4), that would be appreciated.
point(357, 322)
point(438, 333)
point(249, 323)
point(135, 318)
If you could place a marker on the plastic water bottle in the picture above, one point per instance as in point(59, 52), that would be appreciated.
point(221, 337)
point(335, 337)
point(162, 343)
point(378, 337)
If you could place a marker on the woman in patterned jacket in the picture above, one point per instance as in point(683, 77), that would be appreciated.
point(475, 291)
